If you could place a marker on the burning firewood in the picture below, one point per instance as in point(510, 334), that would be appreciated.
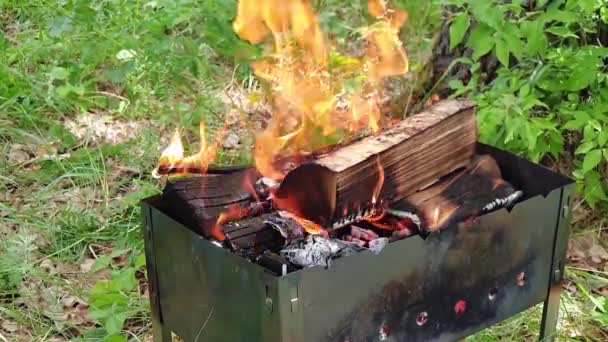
point(461, 196)
point(206, 201)
point(384, 167)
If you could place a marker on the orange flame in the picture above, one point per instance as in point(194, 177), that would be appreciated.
point(172, 158)
point(380, 183)
point(308, 79)
point(305, 88)
point(234, 212)
point(309, 226)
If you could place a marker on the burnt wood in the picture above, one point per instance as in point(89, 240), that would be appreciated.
point(198, 200)
point(413, 153)
point(462, 196)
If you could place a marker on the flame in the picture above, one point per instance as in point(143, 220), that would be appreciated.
point(309, 226)
point(234, 212)
point(307, 78)
point(248, 184)
point(172, 158)
point(305, 89)
point(379, 184)
point(174, 152)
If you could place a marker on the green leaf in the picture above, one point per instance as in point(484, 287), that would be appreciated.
point(524, 91)
point(555, 14)
point(537, 41)
point(502, 52)
point(115, 322)
point(585, 147)
point(602, 138)
point(482, 48)
point(592, 159)
point(594, 188)
point(60, 25)
point(511, 37)
point(59, 73)
point(140, 261)
point(589, 6)
point(458, 29)
point(561, 31)
point(115, 338)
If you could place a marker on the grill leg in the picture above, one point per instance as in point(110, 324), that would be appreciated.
point(159, 331)
point(548, 326)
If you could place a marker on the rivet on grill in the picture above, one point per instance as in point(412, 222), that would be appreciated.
point(492, 294)
point(460, 307)
point(422, 318)
point(521, 279)
point(384, 332)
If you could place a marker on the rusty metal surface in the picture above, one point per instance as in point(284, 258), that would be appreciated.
point(438, 288)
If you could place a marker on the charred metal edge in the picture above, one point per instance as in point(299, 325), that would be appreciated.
point(159, 331)
point(548, 328)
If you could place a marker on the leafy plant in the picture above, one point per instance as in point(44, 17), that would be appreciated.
point(549, 98)
point(113, 301)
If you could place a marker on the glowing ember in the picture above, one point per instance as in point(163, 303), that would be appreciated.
point(233, 213)
point(380, 183)
point(309, 226)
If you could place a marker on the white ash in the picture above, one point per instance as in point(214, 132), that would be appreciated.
point(377, 245)
point(502, 202)
point(316, 250)
point(406, 214)
point(289, 229)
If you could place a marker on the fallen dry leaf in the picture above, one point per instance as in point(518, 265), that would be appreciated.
point(102, 128)
point(597, 254)
point(9, 326)
point(585, 251)
point(54, 302)
point(232, 141)
point(18, 154)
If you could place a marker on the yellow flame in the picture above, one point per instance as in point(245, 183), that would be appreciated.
point(311, 103)
point(174, 153)
point(172, 158)
point(305, 91)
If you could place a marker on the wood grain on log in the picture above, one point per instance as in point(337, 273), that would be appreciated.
point(413, 153)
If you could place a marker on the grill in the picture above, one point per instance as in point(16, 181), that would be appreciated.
point(439, 287)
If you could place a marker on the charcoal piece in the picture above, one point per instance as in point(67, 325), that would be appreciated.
point(316, 250)
point(276, 263)
point(252, 234)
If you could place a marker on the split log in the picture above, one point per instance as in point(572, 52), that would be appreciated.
point(412, 154)
point(197, 201)
point(461, 196)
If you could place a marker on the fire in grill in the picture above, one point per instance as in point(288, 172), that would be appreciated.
point(410, 231)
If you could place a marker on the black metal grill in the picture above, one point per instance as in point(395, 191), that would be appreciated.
point(441, 287)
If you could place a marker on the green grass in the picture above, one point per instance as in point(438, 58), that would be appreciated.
point(67, 201)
